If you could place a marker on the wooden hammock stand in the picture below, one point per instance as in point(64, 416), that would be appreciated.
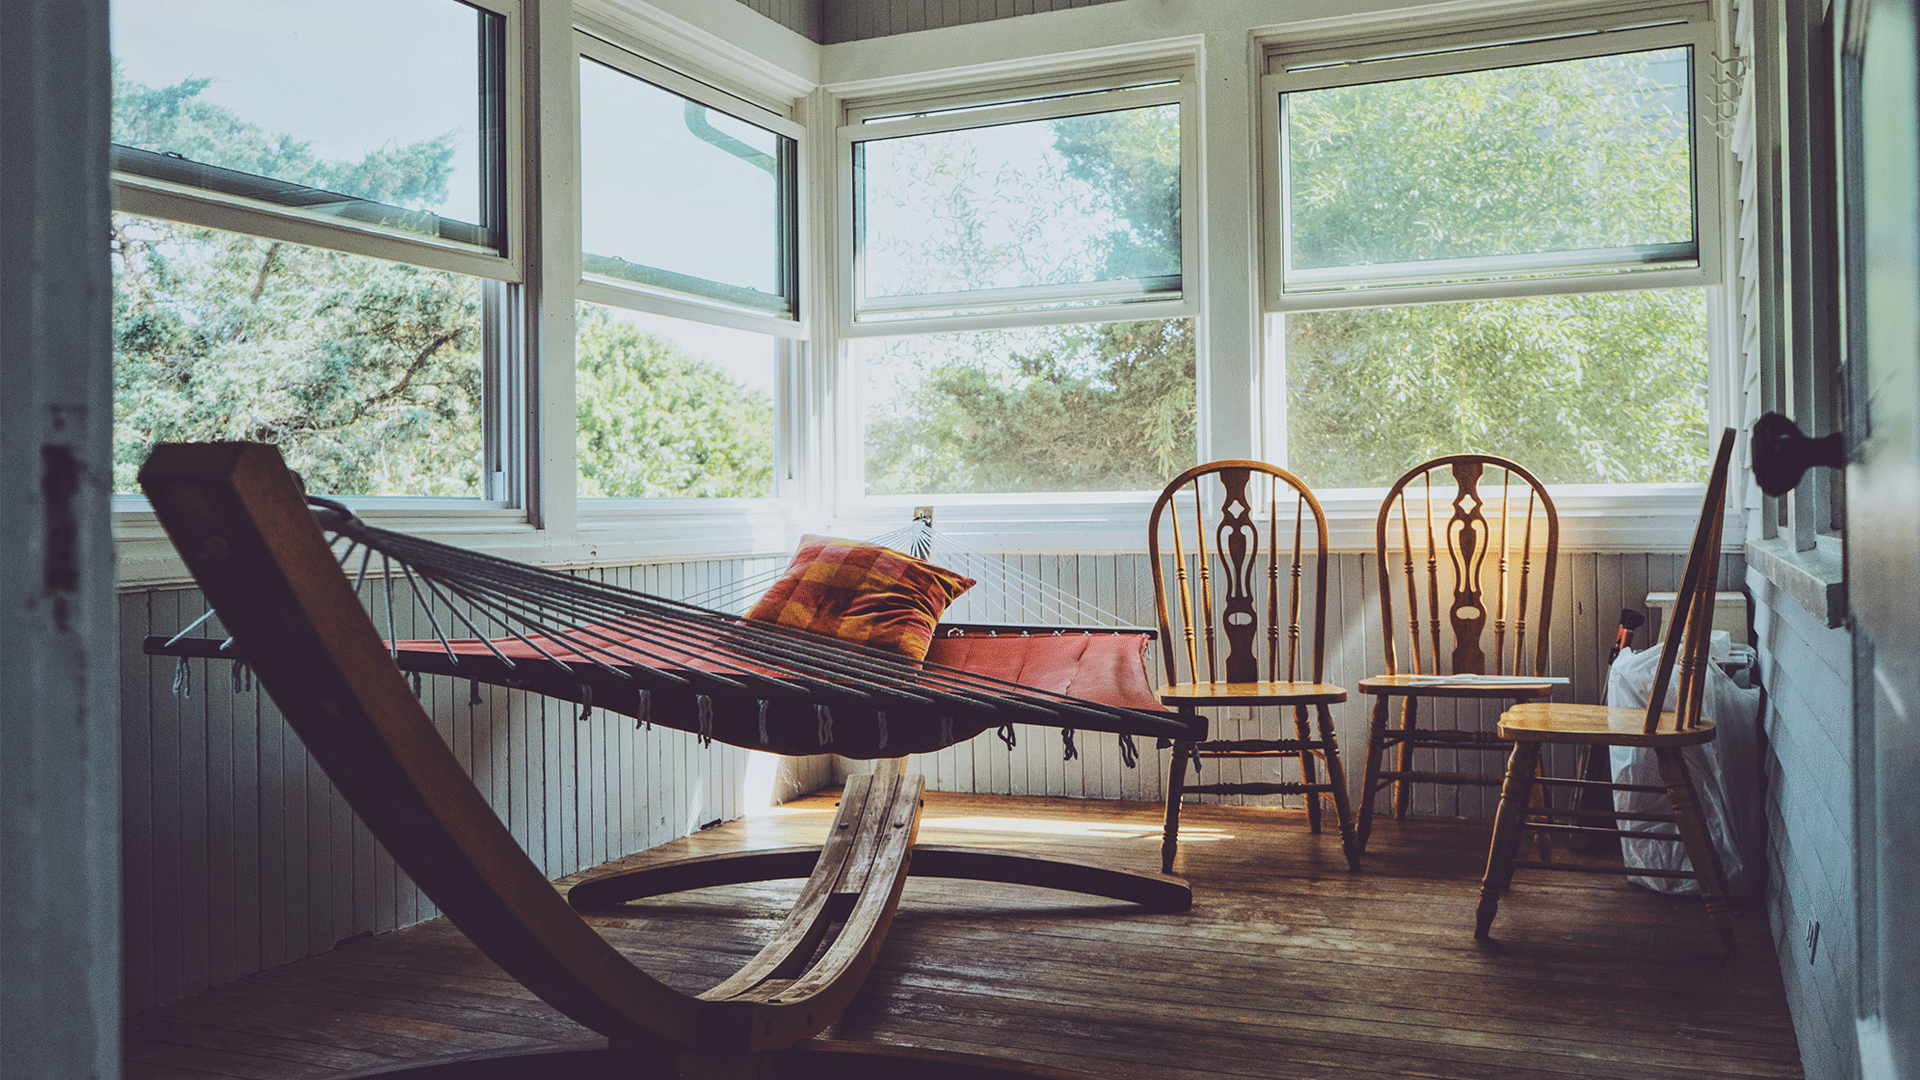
point(236, 516)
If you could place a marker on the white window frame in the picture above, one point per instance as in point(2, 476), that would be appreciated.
point(144, 197)
point(1312, 67)
point(694, 520)
point(502, 504)
point(1594, 517)
point(969, 107)
point(659, 300)
point(1049, 519)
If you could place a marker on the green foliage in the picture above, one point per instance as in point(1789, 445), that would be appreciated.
point(366, 374)
point(1131, 158)
point(1094, 407)
point(656, 422)
point(1584, 389)
point(1603, 388)
point(1550, 157)
point(1105, 407)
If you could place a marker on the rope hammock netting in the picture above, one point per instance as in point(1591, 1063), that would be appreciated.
point(748, 683)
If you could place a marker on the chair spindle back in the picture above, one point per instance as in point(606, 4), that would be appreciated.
point(1484, 505)
point(1246, 496)
point(1689, 635)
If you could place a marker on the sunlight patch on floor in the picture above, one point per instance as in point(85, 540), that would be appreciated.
point(1116, 830)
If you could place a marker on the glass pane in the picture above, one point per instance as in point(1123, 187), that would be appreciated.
point(1560, 157)
point(1070, 201)
point(370, 109)
point(1608, 388)
point(669, 408)
point(366, 374)
point(1107, 407)
point(678, 195)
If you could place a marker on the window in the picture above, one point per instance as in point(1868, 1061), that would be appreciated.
point(313, 248)
point(689, 285)
point(1494, 248)
point(367, 374)
point(1016, 298)
point(682, 196)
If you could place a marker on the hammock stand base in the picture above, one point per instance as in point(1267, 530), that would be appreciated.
point(236, 516)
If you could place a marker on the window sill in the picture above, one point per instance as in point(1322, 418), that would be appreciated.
point(1816, 579)
point(1593, 518)
point(1647, 518)
point(608, 535)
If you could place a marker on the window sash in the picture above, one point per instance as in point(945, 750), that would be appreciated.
point(667, 292)
point(1696, 263)
point(1151, 297)
point(284, 204)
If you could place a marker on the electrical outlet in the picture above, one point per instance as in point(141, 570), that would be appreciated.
point(1813, 939)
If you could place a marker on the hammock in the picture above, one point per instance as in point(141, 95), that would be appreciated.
point(235, 515)
point(746, 683)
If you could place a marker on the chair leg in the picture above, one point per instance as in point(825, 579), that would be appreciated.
point(1176, 782)
point(1309, 775)
point(1337, 779)
point(1403, 789)
point(1506, 833)
point(1541, 803)
point(1699, 845)
point(1370, 784)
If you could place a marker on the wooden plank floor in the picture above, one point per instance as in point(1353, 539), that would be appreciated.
point(1287, 966)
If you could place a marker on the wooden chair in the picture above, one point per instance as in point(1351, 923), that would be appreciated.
point(1664, 731)
point(1477, 540)
point(1202, 669)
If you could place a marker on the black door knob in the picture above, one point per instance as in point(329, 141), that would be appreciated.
point(1782, 453)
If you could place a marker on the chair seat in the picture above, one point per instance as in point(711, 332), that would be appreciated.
point(1436, 686)
point(1252, 693)
point(1598, 725)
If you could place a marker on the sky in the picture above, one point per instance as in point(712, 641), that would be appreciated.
point(279, 63)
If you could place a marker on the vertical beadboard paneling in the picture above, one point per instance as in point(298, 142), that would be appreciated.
point(136, 804)
point(1590, 589)
point(240, 855)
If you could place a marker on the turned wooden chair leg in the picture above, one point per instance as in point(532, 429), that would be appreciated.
point(1370, 782)
point(1337, 779)
point(1541, 804)
point(1506, 833)
point(1403, 788)
point(1309, 775)
point(1176, 781)
point(1699, 844)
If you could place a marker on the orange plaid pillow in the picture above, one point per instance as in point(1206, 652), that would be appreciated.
point(861, 593)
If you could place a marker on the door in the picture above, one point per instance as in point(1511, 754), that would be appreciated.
point(1883, 524)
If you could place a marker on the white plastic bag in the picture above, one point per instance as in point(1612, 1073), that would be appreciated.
point(1725, 776)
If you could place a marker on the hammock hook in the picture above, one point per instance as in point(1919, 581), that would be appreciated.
point(183, 679)
point(703, 709)
point(1006, 735)
point(763, 722)
point(586, 703)
point(1068, 751)
point(825, 715)
point(880, 715)
point(1129, 752)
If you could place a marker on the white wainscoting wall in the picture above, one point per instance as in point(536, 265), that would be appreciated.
point(239, 856)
